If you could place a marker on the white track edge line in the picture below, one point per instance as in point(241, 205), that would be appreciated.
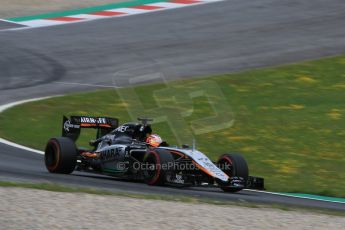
point(12, 104)
point(294, 196)
point(4, 20)
point(3, 141)
point(28, 26)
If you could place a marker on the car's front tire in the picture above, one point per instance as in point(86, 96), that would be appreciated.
point(60, 155)
point(234, 165)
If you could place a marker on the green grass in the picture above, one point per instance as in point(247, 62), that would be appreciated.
point(288, 121)
point(175, 198)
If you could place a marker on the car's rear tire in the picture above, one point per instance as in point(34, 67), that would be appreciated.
point(60, 155)
point(157, 165)
point(234, 165)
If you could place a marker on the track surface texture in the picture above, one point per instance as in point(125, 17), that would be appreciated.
point(9, 25)
point(223, 37)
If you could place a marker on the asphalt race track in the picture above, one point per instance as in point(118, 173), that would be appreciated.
point(208, 39)
point(8, 25)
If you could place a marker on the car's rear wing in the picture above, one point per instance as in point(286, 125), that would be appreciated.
point(71, 126)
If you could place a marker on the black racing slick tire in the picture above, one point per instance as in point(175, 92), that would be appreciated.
point(60, 155)
point(234, 165)
point(157, 165)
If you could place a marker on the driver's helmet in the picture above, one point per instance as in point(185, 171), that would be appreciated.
point(154, 140)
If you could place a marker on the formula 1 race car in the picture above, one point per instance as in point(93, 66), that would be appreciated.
point(123, 152)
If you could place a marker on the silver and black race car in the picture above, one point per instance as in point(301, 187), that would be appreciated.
point(121, 151)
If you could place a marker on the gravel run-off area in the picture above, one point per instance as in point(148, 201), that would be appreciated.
point(16, 8)
point(38, 209)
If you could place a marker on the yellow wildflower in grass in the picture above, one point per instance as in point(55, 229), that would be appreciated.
point(334, 114)
point(306, 79)
point(270, 162)
point(296, 107)
point(284, 139)
point(291, 106)
point(249, 149)
point(339, 85)
point(242, 89)
point(263, 107)
point(288, 167)
point(329, 155)
point(266, 84)
point(80, 112)
point(341, 133)
point(240, 138)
